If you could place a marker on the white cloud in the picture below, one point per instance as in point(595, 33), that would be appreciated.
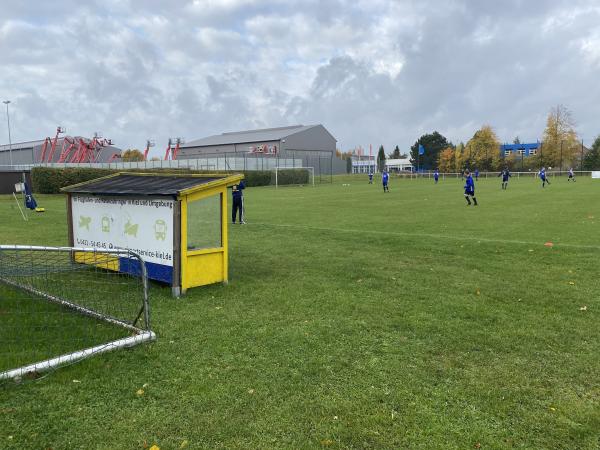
point(372, 71)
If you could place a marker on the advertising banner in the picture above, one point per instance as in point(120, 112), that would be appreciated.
point(141, 224)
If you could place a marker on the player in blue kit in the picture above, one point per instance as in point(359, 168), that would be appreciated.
point(436, 176)
point(238, 201)
point(505, 176)
point(385, 176)
point(370, 177)
point(476, 174)
point(470, 189)
point(542, 175)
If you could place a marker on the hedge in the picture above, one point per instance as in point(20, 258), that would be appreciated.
point(49, 180)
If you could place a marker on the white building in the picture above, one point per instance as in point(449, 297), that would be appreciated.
point(364, 165)
point(398, 165)
point(391, 165)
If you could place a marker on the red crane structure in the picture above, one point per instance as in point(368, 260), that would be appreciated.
point(168, 150)
point(173, 151)
point(82, 150)
point(52, 143)
point(149, 143)
point(74, 149)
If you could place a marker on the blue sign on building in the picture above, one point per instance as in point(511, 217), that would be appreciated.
point(520, 149)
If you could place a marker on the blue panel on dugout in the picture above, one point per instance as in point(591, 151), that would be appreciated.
point(155, 271)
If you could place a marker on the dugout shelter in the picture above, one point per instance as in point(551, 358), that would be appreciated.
point(176, 222)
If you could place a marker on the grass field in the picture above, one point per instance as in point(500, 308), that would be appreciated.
point(353, 319)
point(35, 329)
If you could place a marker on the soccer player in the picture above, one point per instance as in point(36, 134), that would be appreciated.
point(571, 175)
point(505, 175)
point(476, 176)
point(469, 188)
point(542, 174)
point(238, 201)
point(436, 175)
point(370, 177)
point(385, 176)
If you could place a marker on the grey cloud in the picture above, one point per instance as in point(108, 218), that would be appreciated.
point(138, 69)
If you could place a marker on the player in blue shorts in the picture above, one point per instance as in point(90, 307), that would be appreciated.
point(470, 189)
point(505, 176)
point(385, 176)
point(542, 174)
point(571, 175)
point(436, 176)
point(370, 177)
point(476, 174)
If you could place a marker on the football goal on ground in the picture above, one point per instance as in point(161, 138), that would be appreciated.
point(59, 305)
point(285, 176)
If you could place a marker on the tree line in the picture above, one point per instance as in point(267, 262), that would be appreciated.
point(560, 148)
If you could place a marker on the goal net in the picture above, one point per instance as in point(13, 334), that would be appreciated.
point(59, 305)
point(286, 176)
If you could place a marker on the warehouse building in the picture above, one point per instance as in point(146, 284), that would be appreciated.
point(291, 146)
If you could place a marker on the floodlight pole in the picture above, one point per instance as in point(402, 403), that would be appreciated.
point(6, 102)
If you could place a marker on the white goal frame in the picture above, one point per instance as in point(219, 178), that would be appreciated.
point(311, 174)
point(139, 335)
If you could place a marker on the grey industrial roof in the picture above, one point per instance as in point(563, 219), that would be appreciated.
point(20, 145)
point(124, 184)
point(238, 137)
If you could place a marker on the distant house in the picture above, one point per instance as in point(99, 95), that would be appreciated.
point(525, 150)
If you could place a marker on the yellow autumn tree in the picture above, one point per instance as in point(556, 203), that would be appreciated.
point(132, 154)
point(559, 146)
point(459, 162)
point(483, 150)
point(446, 160)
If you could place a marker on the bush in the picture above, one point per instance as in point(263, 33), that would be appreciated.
point(48, 180)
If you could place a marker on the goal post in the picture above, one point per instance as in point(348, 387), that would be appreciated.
point(286, 176)
point(59, 305)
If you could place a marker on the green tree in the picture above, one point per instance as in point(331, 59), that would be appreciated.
point(433, 144)
point(516, 140)
point(559, 147)
point(395, 154)
point(483, 150)
point(132, 154)
point(591, 161)
point(381, 159)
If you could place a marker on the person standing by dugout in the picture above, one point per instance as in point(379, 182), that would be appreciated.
point(238, 201)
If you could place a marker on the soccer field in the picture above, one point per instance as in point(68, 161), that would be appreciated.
point(353, 319)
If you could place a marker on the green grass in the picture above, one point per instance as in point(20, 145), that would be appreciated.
point(353, 319)
point(34, 329)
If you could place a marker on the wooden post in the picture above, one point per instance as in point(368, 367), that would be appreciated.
point(176, 284)
point(70, 221)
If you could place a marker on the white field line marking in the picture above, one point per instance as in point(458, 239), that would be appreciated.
point(425, 235)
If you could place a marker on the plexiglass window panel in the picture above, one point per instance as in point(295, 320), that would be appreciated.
point(204, 223)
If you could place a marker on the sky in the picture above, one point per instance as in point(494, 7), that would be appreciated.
point(378, 72)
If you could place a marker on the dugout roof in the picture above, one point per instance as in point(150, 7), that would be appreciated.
point(172, 185)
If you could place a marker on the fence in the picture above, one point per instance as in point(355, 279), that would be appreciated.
point(517, 175)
